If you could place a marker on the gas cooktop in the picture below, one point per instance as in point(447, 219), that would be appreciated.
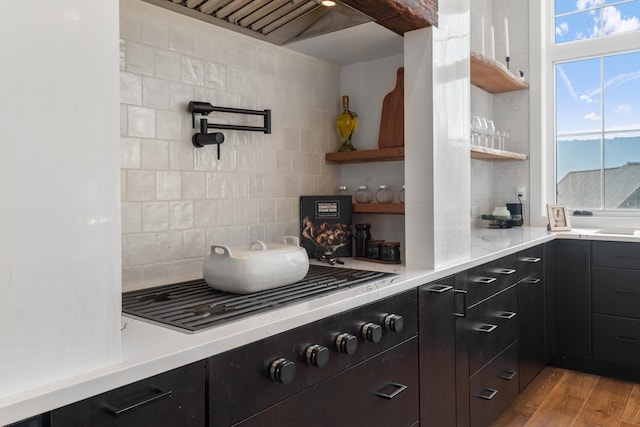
point(194, 306)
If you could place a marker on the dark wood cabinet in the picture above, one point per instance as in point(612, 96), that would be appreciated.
point(382, 391)
point(573, 299)
point(437, 332)
point(38, 421)
point(174, 398)
point(531, 314)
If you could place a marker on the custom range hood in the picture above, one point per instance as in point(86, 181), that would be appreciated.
point(285, 21)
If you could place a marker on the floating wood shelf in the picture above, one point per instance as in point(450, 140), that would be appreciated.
point(379, 208)
point(485, 153)
point(363, 156)
point(493, 76)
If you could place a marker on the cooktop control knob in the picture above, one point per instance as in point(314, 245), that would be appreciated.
point(393, 323)
point(372, 332)
point(346, 343)
point(317, 355)
point(282, 371)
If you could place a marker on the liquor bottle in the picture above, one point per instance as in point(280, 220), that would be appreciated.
point(346, 124)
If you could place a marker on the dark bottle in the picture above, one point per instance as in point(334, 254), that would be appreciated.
point(362, 236)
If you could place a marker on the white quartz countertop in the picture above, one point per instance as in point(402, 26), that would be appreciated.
point(149, 349)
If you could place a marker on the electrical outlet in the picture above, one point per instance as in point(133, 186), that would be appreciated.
point(521, 194)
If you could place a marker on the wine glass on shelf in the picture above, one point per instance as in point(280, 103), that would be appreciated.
point(484, 131)
point(476, 126)
point(491, 132)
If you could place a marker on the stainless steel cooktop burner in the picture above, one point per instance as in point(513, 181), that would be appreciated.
point(193, 305)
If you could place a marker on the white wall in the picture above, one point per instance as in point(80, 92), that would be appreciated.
point(366, 84)
point(494, 183)
point(59, 188)
point(179, 200)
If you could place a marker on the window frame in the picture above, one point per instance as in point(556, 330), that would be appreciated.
point(545, 53)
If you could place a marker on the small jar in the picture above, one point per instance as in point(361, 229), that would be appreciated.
point(363, 195)
point(401, 195)
point(384, 194)
point(342, 190)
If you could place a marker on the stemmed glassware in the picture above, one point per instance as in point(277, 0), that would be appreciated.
point(484, 133)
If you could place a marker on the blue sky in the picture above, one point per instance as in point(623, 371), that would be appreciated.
point(590, 89)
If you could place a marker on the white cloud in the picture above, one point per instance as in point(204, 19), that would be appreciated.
point(622, 108)
point(615, 23)
point(562, 29)
point(586, 4)
point(586, 98)
point(621, 79)
point(591, 116)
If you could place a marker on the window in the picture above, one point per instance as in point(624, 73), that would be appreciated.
point(595, 58)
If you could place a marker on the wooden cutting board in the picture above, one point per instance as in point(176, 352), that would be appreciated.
point(392, 119)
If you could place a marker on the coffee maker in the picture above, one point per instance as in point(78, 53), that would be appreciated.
point(516, 214)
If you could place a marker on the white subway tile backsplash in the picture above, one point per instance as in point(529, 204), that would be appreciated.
point(181, 215)
point(130, 153)
point(170, 124)
point(155, 216)
point(178, 199)
point(155, 93)
point(141, 122)
point(195, 242)
point(154, 154)
point(206, 213)
point(168, 186)
point(140, 58)
point(141, 185)
point(130, 88)
point(193, 185)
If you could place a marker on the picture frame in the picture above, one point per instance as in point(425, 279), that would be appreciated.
point(558, 218)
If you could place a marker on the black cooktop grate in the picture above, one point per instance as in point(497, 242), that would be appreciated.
point(195, 306)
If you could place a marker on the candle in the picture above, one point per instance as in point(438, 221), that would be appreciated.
point(506, 36)
point(482, 36)
point(492, 41)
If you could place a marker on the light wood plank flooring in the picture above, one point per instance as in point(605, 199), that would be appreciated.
point(561, 398)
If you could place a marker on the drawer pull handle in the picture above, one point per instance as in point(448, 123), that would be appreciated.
point(487, 393)
point(157, 394)
point(626, 291)
point(439, 289)
point(532, 260)
point(396, 390)
point(532, 281)
point(507, 315)
point(487, 328)
point(627, 339)
point(485, 280)
point(508, 375)
point(505, 271)
point(464, 303)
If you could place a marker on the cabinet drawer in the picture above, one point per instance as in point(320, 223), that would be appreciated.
point(530, 262)
point(616, 340)
point(487, 279)
point(174, 398)
point(382, 391)
point(616, 254)
point(494, 387)
point(616, 292)
point(493, 326)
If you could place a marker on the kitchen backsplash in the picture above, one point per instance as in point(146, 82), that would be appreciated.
point(178, 200)
point(494, 183)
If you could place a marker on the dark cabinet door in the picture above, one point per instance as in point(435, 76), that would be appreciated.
point(550, 300)
point(174, 398)
point(531, 357)
point(573, 299)
point(437, 332)
point(38, 421)
point(382, 391)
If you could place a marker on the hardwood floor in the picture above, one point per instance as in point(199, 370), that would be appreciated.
point(558, 398)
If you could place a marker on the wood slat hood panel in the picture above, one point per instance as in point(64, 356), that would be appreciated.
point(285, 21)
